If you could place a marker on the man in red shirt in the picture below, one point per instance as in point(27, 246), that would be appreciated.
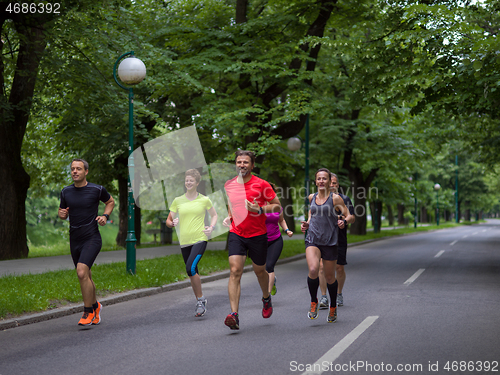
point(249, 198)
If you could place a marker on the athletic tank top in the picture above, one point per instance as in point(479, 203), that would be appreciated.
point(323, 229)
point(272, 225)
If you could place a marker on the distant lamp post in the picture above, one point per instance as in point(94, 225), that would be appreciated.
point(294, 144)
point(131, 72)
point(376, 222)
point(437, 187)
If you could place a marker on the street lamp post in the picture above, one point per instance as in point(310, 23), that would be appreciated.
point(376, 223)
point(131, 72)
point(306, 180)
point(294, 144)
point(437, 187)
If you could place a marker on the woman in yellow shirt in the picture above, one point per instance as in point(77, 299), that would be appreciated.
point(188, 213)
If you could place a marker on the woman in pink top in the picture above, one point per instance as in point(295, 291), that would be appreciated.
point(274, 242)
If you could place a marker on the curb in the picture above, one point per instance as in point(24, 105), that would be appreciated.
point(139, 293)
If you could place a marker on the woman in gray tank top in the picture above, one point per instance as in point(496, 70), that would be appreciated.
point(321, 241)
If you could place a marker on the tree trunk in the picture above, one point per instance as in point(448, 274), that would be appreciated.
point(359, 202)
point(13, 196)
point(379, 207)
point(241, 11)
point(401, 214)
point(359, 226)
point(360, 181)
point(390, 215)
point(14, 115)
point(423, 215)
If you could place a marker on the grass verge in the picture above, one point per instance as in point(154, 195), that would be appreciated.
point(40, 292)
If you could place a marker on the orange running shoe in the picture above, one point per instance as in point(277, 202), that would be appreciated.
point(97, 313)
point(86, 319)
point(313, 313)
point(332, 316)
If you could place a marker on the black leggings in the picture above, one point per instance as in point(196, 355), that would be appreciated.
point(274, 249)
point(192, 255)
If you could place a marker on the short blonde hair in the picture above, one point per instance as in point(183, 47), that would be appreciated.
point(194, 173)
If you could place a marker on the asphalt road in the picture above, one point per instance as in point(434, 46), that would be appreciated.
point(420, 304)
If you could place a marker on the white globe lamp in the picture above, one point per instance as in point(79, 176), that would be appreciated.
point(131, 71)
point(294, 144)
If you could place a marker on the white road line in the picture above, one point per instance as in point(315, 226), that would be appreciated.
point(484, 230)
point(414, 277)
point(453, 243)
point(465, 236)
point(439, 254)
point(330, 356)
point(475, 233)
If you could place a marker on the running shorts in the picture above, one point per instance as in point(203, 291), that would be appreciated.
point(254, 247)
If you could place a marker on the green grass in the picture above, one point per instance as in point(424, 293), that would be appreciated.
point(35, 293)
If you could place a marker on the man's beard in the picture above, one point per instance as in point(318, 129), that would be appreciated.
point(242, 172)
point(241, 175)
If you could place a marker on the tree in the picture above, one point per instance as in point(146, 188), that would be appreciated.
point(24, 42)
point(22, 46)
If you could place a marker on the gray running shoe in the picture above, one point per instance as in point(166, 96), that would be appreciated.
point(332, 316)
point(323, 303)
point(340, 299)
point(201, 307)
point(313, 312)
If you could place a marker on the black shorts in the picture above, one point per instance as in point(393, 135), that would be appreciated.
point(327, 252)
point(342, 252)
point(254, 247)
point(85, 250)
